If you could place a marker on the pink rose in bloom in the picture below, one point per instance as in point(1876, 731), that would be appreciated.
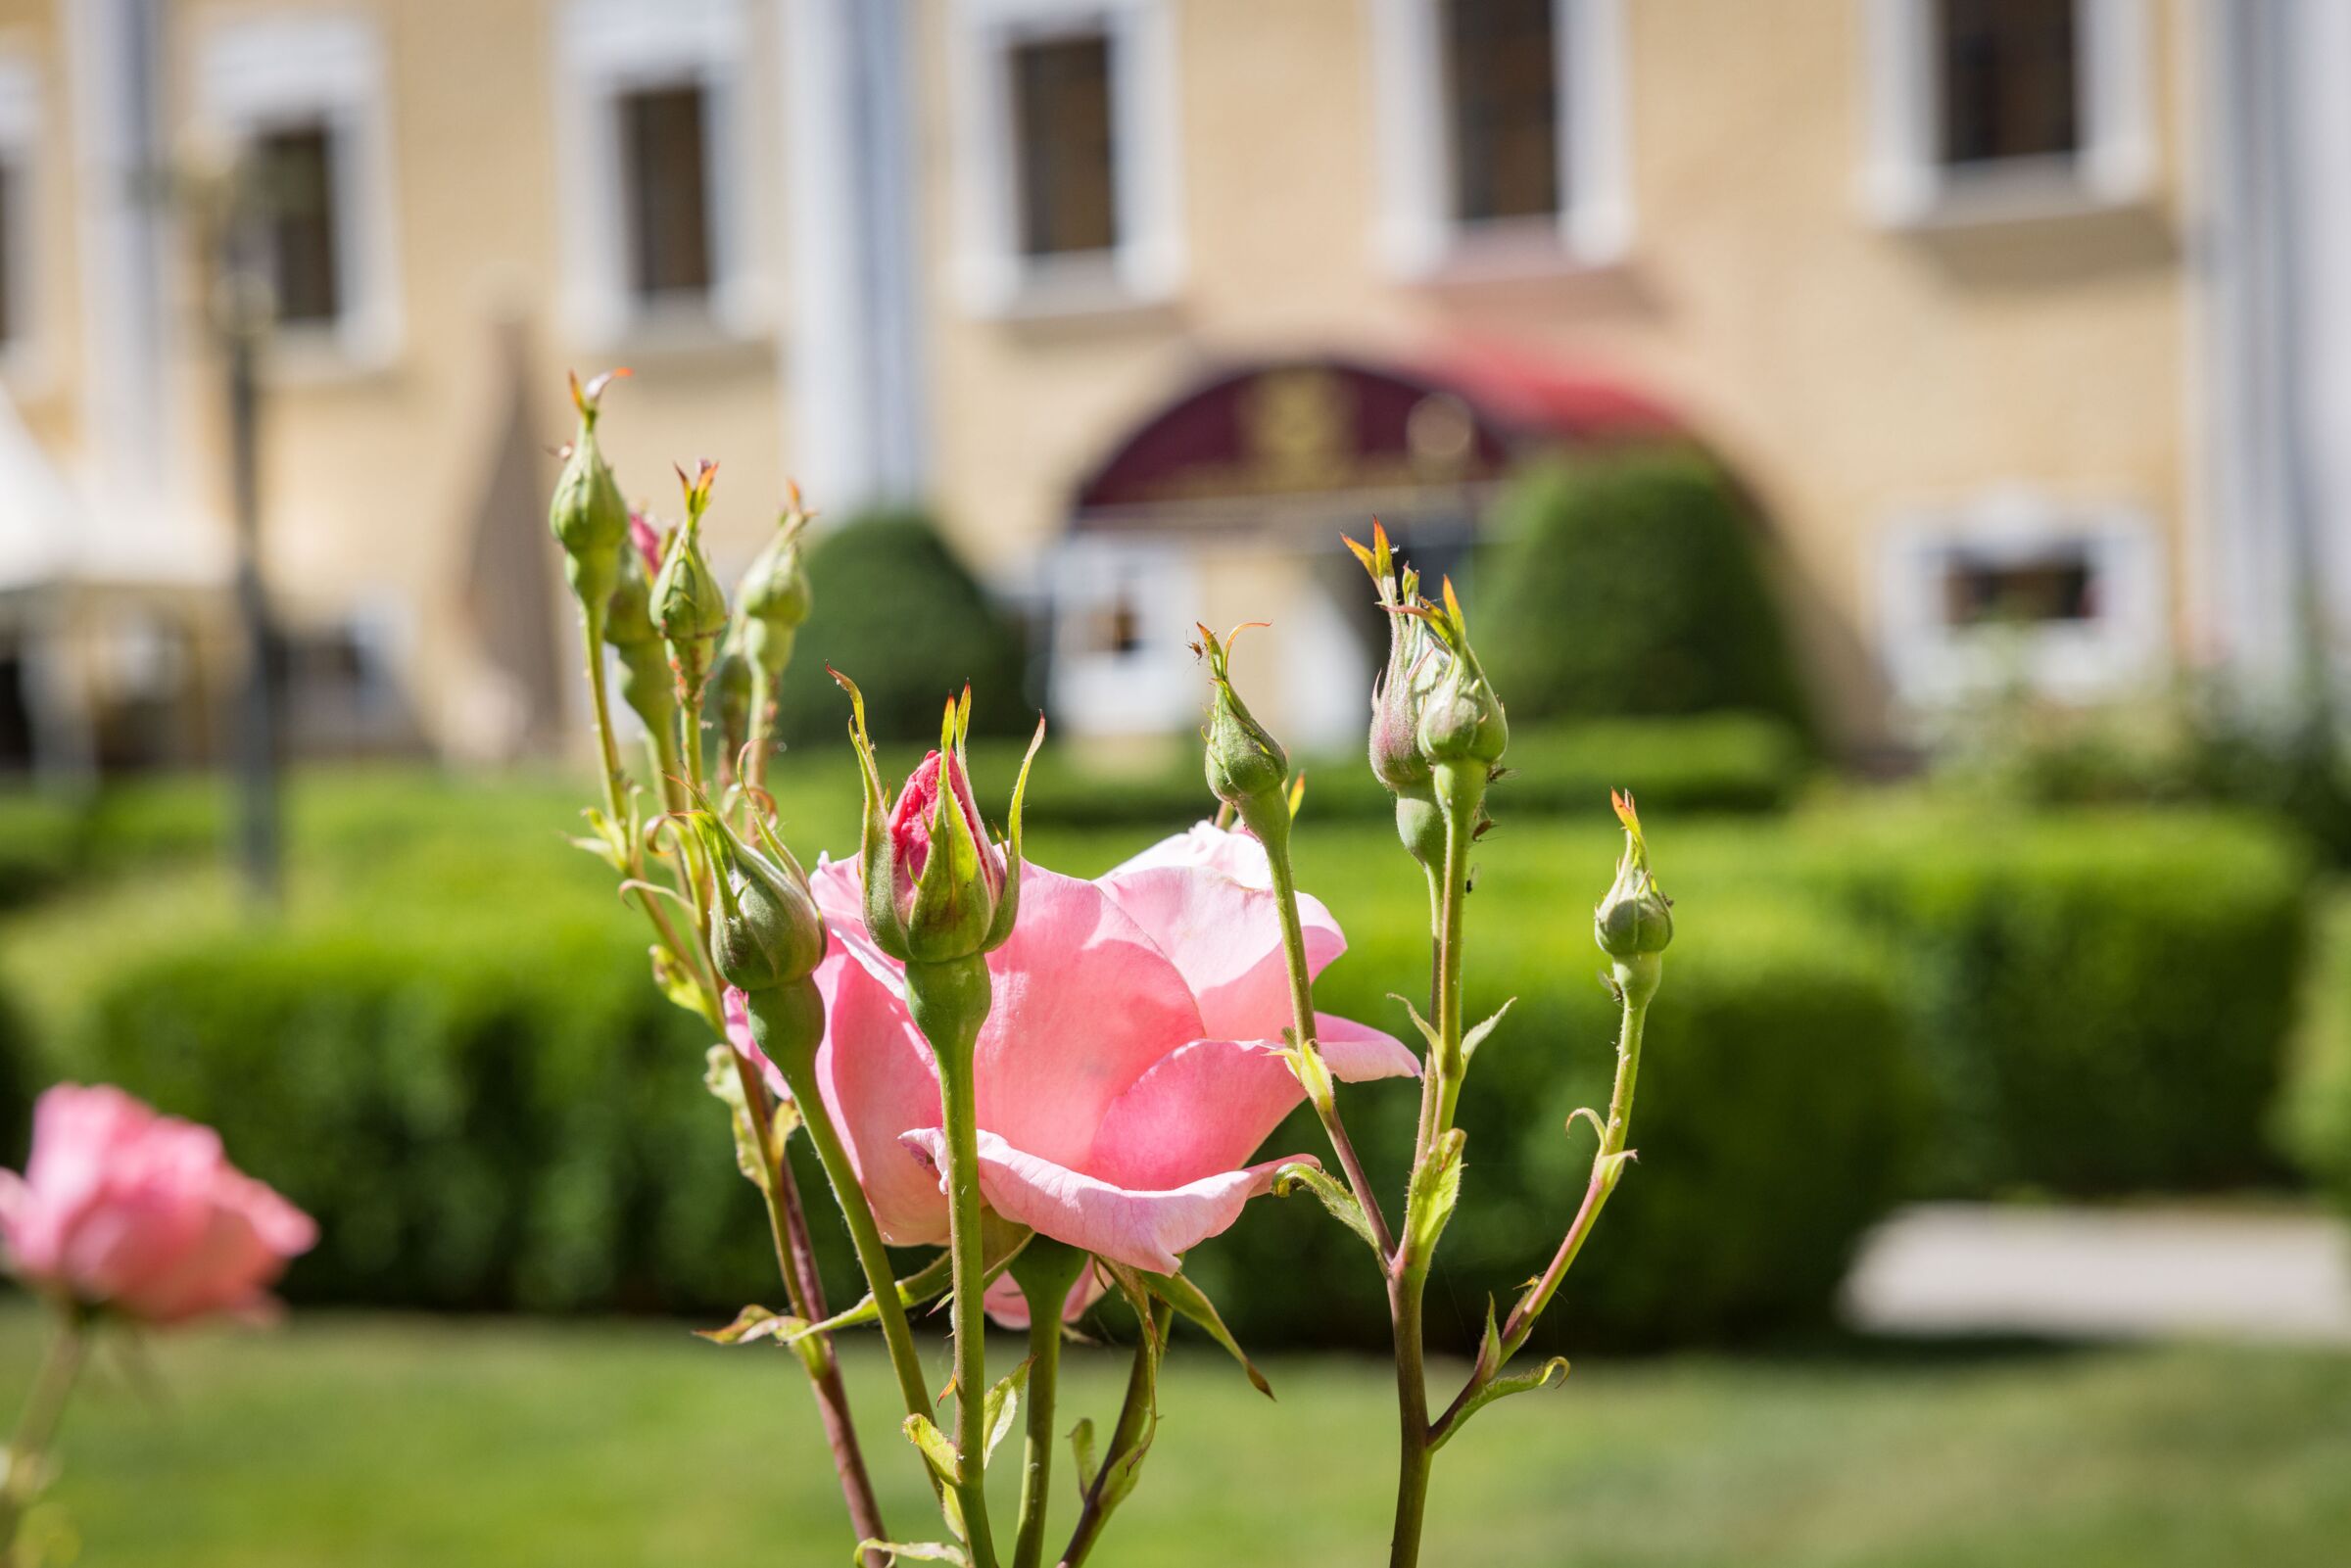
point(143, 1214)
point(1131, 1066)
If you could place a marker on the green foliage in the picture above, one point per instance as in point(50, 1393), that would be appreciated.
point(1633, 583)
point(2314, 1119)
point(475, 1123)
point(38, 838)
point(1778, 1117)
point(1717, 762)
point(2103, 1000)
point(897, 610)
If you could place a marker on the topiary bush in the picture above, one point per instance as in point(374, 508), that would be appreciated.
point(1633, 583)
point(2313, 1121)
point(897, 611)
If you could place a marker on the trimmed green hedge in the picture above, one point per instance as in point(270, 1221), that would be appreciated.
point(1778, 1117)
point(2313, 1117)
point(1718, 762)
point(2103, 1001)
point(1633, 583)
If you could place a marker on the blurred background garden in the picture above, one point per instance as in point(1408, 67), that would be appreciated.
point(1899, 442)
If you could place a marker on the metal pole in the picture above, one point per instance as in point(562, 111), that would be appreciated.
point(242, 316)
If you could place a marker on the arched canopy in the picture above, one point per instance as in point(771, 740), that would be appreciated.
point(1295, 442)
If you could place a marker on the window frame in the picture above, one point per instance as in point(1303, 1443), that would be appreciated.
point(1905, 181)
point(994, 274)
point(1418, 235)
point(267, 71)
point(1933, 662)
point(605, 51)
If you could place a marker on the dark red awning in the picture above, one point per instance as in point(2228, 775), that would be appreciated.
point(1312, 430)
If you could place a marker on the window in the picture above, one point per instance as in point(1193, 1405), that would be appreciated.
point(300, 95)
point(296, 173)
point(665, 168)
point(2013, 584)
point(1502, 131)
point(1065, 154)
point(656, 235)
point(2010, 80)
point(1061, 108)
point(1503, 84)
point(1998, 108)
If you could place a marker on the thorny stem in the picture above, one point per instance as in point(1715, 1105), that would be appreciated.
point(43, 1407)
point(797, 1259)
point(1135, 1416)
point(799, 1076)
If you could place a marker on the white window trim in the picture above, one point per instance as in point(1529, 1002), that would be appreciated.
point(1907, 185)
point(1146, 267)
point(603, 49)
point(1152, 690)
point(26, 361)
point(259, 71)
point(1419, 236)
point(1933, 663)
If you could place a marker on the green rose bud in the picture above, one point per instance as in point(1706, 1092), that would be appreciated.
point(587, 515)
point(1461, 717)
point(935, 889)
point(688, 605)
point(1635, 921)
point(775, 595)
point(765, 930)
point(1246, 765)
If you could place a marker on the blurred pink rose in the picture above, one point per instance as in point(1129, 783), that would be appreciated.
point(1128, 1070)
point(124, 1209)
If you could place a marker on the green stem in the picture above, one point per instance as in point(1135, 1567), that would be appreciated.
point(797, 1061)
point(795, 1259)
point(763, 726)
point(1270, 821)
point(1045, 1270)
point(950, 1002)
point(1135, 1416)
point(44, 1408)
point(1636, 984)
point(592, 625)
point(1459, 788)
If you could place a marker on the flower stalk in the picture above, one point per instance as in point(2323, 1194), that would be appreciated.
point(27, 1470)
point(1046, 1271)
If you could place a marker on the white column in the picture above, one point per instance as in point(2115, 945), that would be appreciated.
point(852, 362)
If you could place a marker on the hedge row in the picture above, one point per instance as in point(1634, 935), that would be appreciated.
point(456, 1061)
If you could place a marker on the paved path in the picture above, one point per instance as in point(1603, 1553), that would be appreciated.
point(1942, 1268)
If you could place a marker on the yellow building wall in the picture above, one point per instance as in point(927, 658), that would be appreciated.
point(1847, 370)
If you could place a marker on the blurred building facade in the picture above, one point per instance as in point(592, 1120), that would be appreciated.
point(1990, 304)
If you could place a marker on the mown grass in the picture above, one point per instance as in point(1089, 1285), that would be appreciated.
point(369, 1441)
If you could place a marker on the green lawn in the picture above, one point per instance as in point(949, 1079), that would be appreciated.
point(358, 1442)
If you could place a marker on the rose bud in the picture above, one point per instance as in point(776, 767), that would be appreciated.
point(775, 595)
point(935, 888)
point(1246, 765)
point(765, 929)
point(688, 605)
point(1417, 661)
point(644, 678)
point(1634, 923)
point(127, 1211)
point(587, 515)
point(1460, 715)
